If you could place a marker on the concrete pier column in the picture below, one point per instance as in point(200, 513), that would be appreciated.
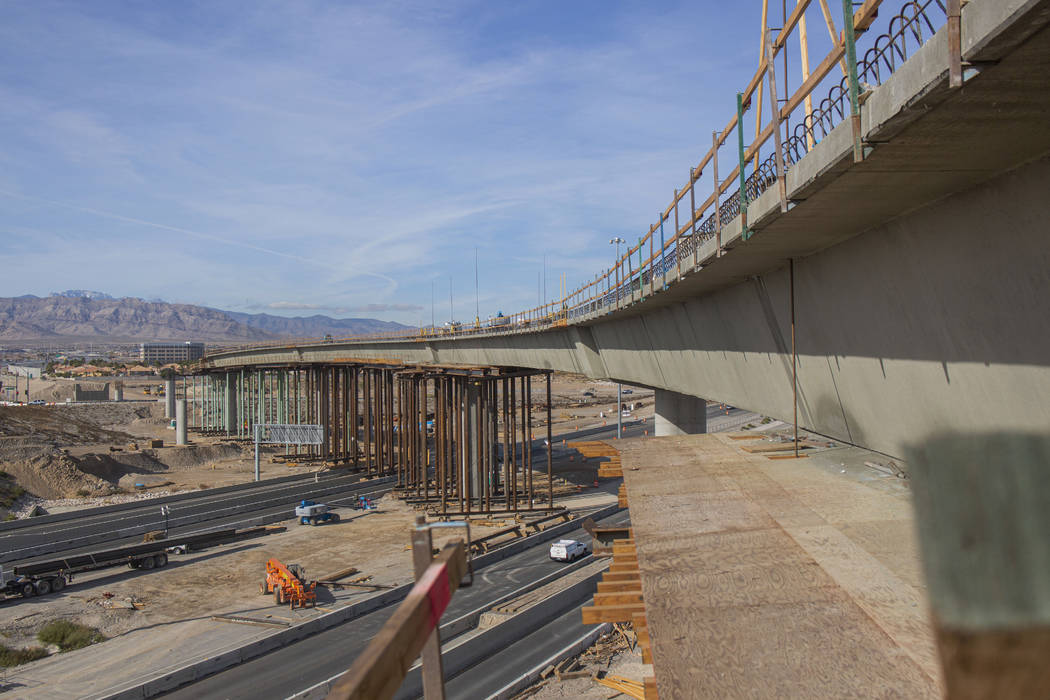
point(472, 454)
point(232, 426)
point(180, 422)
point(118, 392)
point(169, 398)
point(679, 414)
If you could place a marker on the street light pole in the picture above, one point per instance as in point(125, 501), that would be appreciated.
point(617, 241)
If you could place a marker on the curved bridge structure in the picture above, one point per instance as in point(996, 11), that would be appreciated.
point(902, 259)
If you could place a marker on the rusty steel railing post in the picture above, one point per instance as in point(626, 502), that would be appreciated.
point(955, 73)
point(854, 81)
point(794, 354)
point(677, 237)
point(778, 155)
point(692, 213)
point(717, 195)
point(663, 257)
point(745, 233)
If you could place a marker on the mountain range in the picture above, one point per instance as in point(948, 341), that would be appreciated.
point(81, 315)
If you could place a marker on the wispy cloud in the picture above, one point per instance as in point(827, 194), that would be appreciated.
point(365, 308)
point(347, 158)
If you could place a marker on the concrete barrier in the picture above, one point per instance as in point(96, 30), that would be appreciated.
point(196, 670)
point(460, 657)
point(587, 639)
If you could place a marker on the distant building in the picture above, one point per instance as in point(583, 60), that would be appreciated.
point(170, 352)
point(33, 370)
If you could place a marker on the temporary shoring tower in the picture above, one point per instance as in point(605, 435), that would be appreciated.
point(460, 440)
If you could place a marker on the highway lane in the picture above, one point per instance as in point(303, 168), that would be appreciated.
point(303, 664)
point(206, 512)
point(61, 529)
point(493, 673)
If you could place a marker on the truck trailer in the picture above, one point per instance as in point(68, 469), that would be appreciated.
point(42, 577)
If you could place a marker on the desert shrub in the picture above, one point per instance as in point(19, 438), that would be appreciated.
point(83, 493)
point(68, 635)
point(14, 657)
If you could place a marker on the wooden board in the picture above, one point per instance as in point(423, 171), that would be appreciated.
point(771, 447)
point(753, 586)
point(596, 614)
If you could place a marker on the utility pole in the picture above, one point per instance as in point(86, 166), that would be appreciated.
point(477, 288)
point(451, 314)
point(431, 303)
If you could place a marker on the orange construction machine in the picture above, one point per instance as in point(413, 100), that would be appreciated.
point(288, 585)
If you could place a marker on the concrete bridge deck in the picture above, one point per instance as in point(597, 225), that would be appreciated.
point(767, 578)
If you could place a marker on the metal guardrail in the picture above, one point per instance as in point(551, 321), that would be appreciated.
point(635, 274)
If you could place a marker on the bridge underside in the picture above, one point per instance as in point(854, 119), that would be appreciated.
point(920, 276)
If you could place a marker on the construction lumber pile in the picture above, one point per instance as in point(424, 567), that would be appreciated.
point(619, 599)
point(482, 544)
point(619, 594)
point(641, 690)
point(778, 446)
point(611, 468)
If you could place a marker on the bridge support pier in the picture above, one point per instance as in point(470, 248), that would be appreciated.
point(180, 422)
point(679, 414)
point(169, 398)
point(230, 397)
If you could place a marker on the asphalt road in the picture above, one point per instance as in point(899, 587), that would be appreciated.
point(492, 674)
point(207, 511)
point(303, 664)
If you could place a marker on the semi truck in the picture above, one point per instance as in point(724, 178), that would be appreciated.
point(43, 577)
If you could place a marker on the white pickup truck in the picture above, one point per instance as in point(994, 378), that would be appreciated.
point(568, 550)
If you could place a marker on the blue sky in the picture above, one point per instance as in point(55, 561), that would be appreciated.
point(343, 158)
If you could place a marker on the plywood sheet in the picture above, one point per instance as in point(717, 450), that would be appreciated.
point(766, 579)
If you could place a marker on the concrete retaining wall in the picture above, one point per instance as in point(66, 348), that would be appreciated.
point(93, 392)
point(458, 658)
